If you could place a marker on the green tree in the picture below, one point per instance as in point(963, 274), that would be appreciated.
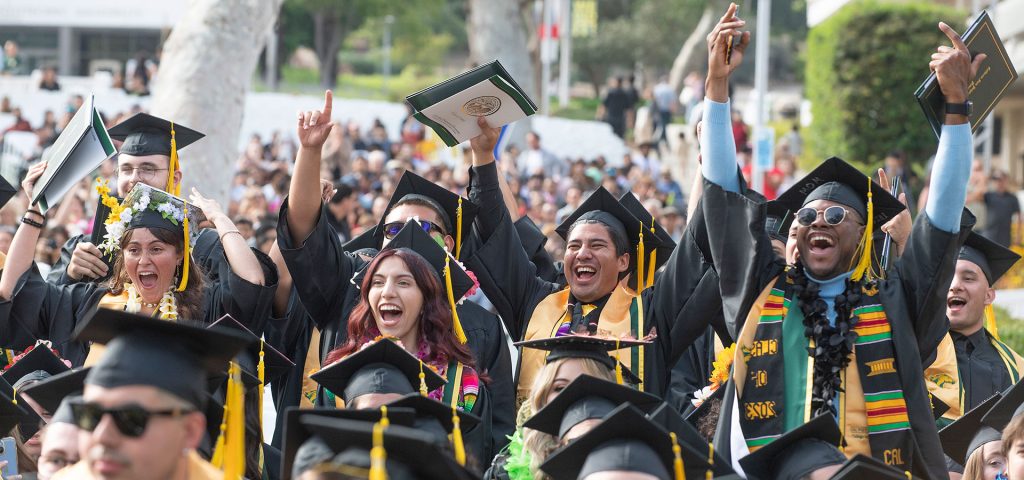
point(863, 66)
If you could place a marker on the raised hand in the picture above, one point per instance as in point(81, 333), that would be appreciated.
point(211, 209)
point(954, 67)
point(718, 40)
point(315, 125)
point(483, 144)
point(327, 190)
point(29, 183)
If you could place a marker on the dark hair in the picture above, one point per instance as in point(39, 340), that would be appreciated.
point(435, 324)
point(441, 216)
point(619, 239)
point(344, 191)
point(190, 301)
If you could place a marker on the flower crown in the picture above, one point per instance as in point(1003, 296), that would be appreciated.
point(137, 201)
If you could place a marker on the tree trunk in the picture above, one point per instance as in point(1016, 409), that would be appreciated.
point(496, 30)
point(327, 37)
point(205, 72)
point(688, 53)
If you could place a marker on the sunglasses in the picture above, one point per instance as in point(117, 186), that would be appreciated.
point(833, 215)
point(131, 420)
point(392, 229)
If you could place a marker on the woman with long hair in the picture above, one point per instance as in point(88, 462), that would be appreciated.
point(149, 236)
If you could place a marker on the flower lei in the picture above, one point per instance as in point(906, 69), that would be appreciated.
point(121, 215)
point(45, 344)
point(721, 367)
point(167, 308)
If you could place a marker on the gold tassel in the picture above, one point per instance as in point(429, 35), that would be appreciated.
point(188, 253)
point(640, 262)
point(384, 421)
point(261, 369)
point(457, 445)
point(456, 324)
point(423, 381)
point(677, 452)
point(14, 395)
point(172, 167)
point(863, 270)
point(618, 365)
point(711, 462)
point(229, 455)
point(990, 321)
point(458, 231)
point(378, 455)
point(654, 261)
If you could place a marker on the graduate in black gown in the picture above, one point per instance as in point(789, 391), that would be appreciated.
point(322, 270)
point(870, 330)
point(154, 274)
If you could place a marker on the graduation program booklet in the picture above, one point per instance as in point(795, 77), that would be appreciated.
point(81, 147)
point(993, 79)
point(452, 107)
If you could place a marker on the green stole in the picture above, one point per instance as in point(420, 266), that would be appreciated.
point(774, 389)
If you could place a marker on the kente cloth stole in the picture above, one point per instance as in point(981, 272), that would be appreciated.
point(872, 410)
point(621, 316)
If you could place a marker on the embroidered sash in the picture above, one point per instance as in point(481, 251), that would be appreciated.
point(872, 411)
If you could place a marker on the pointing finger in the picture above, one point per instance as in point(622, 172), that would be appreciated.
point(953, 36)
point(328, 103)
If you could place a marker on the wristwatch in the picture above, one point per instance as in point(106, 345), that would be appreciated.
point(959, 108)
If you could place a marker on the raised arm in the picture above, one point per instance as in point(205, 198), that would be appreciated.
point(717, 146)
point(23, 247)
point(242, 259)
point(304, 192)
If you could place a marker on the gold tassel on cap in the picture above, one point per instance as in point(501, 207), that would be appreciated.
point(863, 269)
point(456, 324)
point(188, 253)
point(378, 455)
point(990, 321)
point(423, 381)
point(457, 445)
point(172, 166)
point(677, 463)
point(653, 262)
point(618, 365)
point(230, 453)
point(261, 374)
point(458, 231)
point(711, 462)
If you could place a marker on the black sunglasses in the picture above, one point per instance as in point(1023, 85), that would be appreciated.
point(392, 229)
point(131, 420)
point(833, 215)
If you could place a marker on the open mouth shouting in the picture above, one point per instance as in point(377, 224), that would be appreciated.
point(584, 273)
point(955, 303)
point(148, 280)
point(390, 314)
point(821, 244)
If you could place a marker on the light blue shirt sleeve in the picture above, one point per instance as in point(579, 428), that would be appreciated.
point(948, 187)
point(718, 147)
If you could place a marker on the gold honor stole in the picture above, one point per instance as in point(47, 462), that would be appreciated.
point(872, 409)
point(943, 375)
point(622, 316)
point(112, 302)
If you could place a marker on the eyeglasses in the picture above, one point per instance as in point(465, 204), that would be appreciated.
point(145, 172)
point(833, 215)
point(392, 229)
point(131, 420)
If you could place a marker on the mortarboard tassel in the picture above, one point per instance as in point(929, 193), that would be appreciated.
point(653, 262)
point(863, 268)
point(384, 421)
point(677, 452)
point(990, 321)
point(14, 395)
point(458, 231)
point(456, 324)
point(711, 462)
point(457, 445)
point(188, 253)
point(378, 455)
point(423, 381)
point(640, 262)
point(261, 369)
point(618, 365)
point(172, 166)
point(230, 453)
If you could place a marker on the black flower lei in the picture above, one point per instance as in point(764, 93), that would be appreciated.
point(832, 344)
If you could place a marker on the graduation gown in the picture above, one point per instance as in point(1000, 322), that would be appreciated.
point(39, 310)
point(913, 295)
point(510, 280)
point(981, 367)
point(322, 273)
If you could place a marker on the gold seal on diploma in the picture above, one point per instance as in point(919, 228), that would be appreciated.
point(482, 106)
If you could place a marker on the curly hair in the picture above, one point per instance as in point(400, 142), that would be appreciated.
point(190, 301)
point(435, 323)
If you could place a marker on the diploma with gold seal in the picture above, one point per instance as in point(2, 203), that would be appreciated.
point(451, 108)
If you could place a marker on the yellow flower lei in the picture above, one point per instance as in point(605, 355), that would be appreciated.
point(108, 201)
point(721, 366)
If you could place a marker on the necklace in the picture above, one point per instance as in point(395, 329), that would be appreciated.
point(167, 307)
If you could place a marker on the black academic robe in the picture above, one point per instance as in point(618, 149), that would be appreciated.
point(982, 371)
point(510, 281)
point(913, 295)
point(322, 273)
point(39, 310)
point(290, 335)
point(533, 244)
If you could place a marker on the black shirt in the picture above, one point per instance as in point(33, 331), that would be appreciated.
point(982, 372)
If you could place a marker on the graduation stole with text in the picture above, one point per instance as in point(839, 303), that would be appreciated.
point(872, 411)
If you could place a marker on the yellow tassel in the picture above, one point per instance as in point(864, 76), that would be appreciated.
point(990, 321)
point(908, 474)
point(456, 324)
point(677, 452)
point(378, 455)
point(458, 230)
point(423, 381)
point(261, 374)
point(640, 262)
point(14, 395)
point(711, 462)
point(460, 449)
point(384, 421)
point(618, 365)
point(188, 253)
point(172, 166)
point(230, 453)
point(863, 270)
point(654, 261)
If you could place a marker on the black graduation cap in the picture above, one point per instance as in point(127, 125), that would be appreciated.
point(778, 220)
point(275, 364)
point(172, 356)
point(625, 441)
point(50, 392)
point(18, 414)
point(585, 346)
point(143, 134)
point(798, 452)
point(961, 438)
point(428, 408)
point(1010, 405)
point(702, 410)
point(412, 237)
point(664, 250)
point(602, 207)
point(364, 241)
point(864, 467)
point(38, 364)
point(382, 367)
point(669, 418)
point(410, 454)
point(7, 192)
point(842, 183)
point(993, 259)
point(300, 451)
point(413, 188)
point(587, 398)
